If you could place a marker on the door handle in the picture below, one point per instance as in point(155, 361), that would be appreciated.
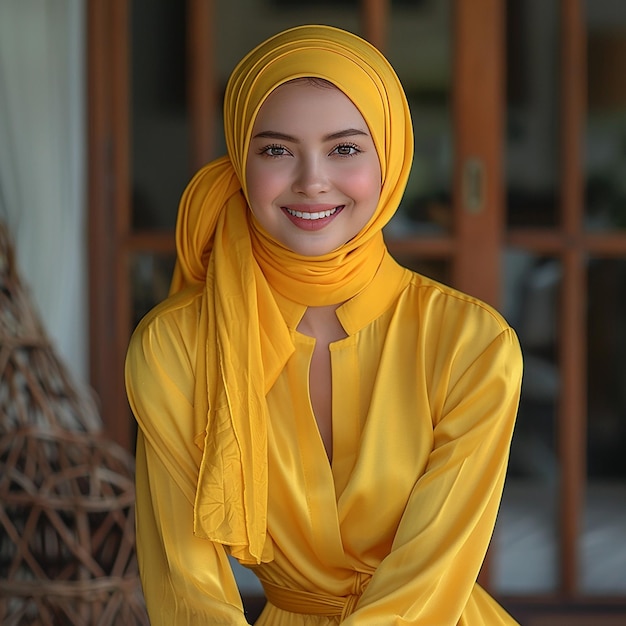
point(473, 185)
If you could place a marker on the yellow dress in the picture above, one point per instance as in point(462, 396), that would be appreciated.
point(395, 530)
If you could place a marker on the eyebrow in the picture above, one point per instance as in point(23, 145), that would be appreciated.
point(348, 132)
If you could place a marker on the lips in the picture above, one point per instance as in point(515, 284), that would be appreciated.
point(312, 216)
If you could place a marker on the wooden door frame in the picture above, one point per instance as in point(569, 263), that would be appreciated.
point(108, 115)
point(478, 127)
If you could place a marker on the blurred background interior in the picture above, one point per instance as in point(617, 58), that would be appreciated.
point(518, 196)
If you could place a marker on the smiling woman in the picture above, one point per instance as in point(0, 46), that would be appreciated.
point(335, 422)
point(317, 183)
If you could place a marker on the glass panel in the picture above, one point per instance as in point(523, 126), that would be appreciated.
point(437, 269)
point(525, 555)
point(532, 173)
point(606, 124)
point(525, 559)
point(150, 276)
point(159, 122)
point(602, 546)
point(604, 541)
point(264, 18)
point(420, 49)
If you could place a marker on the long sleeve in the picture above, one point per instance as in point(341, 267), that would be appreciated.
point(186, 580)
point(430, 574)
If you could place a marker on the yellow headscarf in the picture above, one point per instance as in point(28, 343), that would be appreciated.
point(219, 244)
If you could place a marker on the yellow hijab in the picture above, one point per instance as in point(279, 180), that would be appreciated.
point(220, 245)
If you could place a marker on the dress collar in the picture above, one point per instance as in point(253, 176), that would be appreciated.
point(362, 309)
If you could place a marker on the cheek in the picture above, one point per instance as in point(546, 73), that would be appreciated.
point(264, 184)
point(363, 183)
point(257, 185)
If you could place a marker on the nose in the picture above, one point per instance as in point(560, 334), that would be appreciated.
point(310, 177)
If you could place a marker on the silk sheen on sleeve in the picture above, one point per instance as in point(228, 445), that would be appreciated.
point(186, 580)
point(429, 576)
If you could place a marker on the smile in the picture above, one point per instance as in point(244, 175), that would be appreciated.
point(306, 215)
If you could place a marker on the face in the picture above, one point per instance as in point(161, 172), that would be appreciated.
point(312, 172)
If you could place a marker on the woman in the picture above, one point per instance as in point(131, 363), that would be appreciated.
point(337, 423)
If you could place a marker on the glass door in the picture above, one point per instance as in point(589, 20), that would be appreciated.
point(563, 519)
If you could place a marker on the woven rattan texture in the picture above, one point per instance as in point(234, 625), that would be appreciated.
point(66, 492)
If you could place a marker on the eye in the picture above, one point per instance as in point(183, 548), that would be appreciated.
point(275, 150)
point(346, 150)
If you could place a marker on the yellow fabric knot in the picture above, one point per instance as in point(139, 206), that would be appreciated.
point(308, 603)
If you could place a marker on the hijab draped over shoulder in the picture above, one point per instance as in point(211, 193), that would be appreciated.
point(221, 246)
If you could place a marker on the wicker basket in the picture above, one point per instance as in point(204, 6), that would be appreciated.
point(66, 492)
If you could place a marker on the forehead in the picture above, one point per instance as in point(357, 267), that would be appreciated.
point(308, 102)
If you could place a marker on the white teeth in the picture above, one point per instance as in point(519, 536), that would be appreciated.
point(311, 216)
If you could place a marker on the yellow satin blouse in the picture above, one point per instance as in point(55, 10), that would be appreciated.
point(395, 529)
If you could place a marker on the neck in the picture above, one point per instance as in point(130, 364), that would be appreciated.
point(321, 322)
